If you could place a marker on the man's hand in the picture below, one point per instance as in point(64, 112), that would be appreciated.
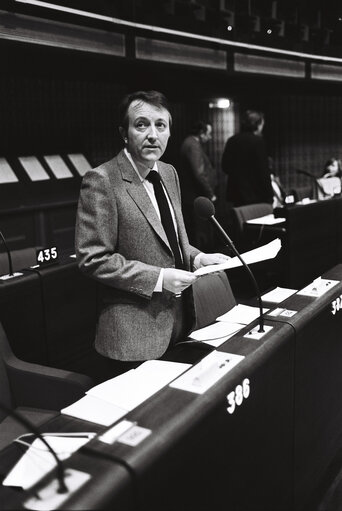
point(206, 259)
point(177, 280)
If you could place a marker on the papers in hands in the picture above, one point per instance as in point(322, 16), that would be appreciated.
point(268, 251)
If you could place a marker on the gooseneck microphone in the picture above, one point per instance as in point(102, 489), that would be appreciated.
point(205, 209)
point(9, 257)
point(62, 488)
point(314, 178)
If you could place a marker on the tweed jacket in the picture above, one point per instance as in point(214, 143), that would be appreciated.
point(121, 243)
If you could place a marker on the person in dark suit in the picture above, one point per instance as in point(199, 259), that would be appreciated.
point(144, 267)
point(196, 174)
point(245, 161)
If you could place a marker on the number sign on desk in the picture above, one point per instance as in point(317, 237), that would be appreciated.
point(336, 305)
point(47, 256)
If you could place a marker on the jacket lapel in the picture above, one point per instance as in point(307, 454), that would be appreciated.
point(137, 192)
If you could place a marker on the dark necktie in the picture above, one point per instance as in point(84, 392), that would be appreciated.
point(166, 217)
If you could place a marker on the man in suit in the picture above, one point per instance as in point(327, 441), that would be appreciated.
point(142, 263)
point(245, 161)
point(196, 174)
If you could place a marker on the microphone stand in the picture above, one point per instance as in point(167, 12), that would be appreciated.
point(10, 265)
point(232, 246)
point(62, 488)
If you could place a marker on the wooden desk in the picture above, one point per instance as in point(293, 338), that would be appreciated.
point(269, 455)
point(317, 385)
point(312, 242)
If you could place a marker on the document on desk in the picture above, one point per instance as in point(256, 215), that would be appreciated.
point(266, 220)
point(243, 314)
point(278, 294)
point(216, 334)
point(38, 461)
point(92, 409)
point(207, 372)
point(268, 251)
point(129, 389)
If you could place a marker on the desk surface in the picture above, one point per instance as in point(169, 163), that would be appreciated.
point(198, 455)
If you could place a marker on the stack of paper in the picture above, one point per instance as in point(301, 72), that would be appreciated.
point(263, 253)
point(243, 314)
point(279, 294)
point(109, 401)
point(217, 333)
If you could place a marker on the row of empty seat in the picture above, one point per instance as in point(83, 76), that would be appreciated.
point(43, 168)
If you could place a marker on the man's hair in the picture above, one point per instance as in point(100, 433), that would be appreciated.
point(199, 127)
point(151, 97)
point(251, 120)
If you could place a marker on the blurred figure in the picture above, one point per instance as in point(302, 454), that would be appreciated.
point(279, 194)
point(245, 161)
point(332, 168)
point(196, 174)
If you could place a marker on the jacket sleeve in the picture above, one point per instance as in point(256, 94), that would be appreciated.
point(96, 240)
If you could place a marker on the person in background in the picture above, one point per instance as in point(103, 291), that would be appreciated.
point(131, 238)
point(196, 174)
point(332, 168)
point(279, 194)
point(245, 161)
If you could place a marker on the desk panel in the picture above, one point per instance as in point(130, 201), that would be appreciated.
point(317, 383)
point(70, 302)
point(21, 314)
point(199, 456)
point(311, 241)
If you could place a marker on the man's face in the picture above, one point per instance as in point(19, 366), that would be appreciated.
point(206, 136)
point(148, 133)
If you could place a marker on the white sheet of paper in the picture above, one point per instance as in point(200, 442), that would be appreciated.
point(266, 220)
point(207, 372)
point(268, 251)
point(243, 314)
point(34, 464)
point(130, 389)
point(215, 331)
point(93, 409)
point(278, 294)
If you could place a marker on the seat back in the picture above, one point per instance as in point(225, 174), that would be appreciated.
point(213, 297)
point(20, 259)
point(243, 213)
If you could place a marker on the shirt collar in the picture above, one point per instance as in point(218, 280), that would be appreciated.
point(155, 166)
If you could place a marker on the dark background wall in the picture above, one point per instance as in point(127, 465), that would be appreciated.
point(56, 101)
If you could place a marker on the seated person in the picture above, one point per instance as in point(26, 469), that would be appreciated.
point(332, 168)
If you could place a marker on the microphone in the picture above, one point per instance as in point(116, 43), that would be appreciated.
point(9, 257)
point(205, 209)
point(312, 176)
point(62, 487)
point(305, 173)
